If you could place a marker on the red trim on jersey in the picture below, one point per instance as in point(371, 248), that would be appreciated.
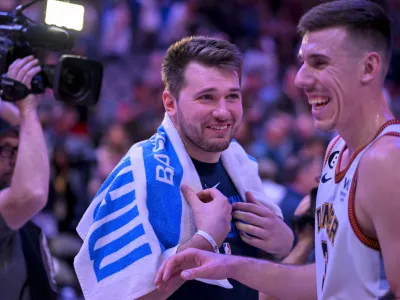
point(335, 140)
point(339, 175)
point(365, 239)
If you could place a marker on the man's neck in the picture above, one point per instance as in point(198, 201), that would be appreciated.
point(201, 155)
point(361, 129)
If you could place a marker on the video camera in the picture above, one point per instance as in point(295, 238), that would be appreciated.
point(308, 218)
point(74, 79)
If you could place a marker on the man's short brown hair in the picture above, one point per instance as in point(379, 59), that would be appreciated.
point(364, 20)
point(204, 50)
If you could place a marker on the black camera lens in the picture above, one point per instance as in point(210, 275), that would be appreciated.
point(77, 80)
point(74, 82)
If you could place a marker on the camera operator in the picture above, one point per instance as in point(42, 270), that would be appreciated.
point(24, 184)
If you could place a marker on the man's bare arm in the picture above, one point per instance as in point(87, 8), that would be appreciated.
point(276, 280)
point(9, 112)
point(279, 281)
point(28, 191)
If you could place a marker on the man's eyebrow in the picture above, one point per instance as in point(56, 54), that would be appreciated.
point(210, 90)
point(313, 56)
point(206, 90)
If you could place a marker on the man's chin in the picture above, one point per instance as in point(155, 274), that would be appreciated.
point(216, 146)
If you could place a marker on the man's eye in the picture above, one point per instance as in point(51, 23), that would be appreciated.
point(233, 96)
point(206, 97)
point(319, 64)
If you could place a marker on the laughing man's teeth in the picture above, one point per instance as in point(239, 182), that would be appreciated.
point(219, 127)
point(318, 100)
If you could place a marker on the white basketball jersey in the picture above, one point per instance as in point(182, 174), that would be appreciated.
point(349, 263)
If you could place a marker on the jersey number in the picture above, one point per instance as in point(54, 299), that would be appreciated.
point(325, 253)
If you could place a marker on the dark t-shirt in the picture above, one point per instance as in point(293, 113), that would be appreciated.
point(13, 273)
point(215, 175)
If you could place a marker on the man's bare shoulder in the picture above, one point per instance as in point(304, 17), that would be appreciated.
point(383, 155)
point(379, 176)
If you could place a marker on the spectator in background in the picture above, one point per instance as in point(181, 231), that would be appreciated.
point(117, 34)
point(300, 176)
point(275, 143)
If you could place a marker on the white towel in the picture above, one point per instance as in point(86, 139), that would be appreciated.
point(139, 216)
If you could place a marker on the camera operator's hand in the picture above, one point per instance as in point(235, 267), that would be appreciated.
point(211, 211)
point(23, 70)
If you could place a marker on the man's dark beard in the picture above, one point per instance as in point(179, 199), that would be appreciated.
point(205, 145)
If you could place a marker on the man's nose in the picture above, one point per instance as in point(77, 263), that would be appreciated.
point(221, 111)
point(304, 78)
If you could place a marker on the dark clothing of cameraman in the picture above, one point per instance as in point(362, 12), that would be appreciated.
point(24, 264)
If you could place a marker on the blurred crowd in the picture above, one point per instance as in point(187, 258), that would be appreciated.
point(130, 37)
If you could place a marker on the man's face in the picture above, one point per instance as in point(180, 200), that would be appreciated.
point(330, 76)
point(209, 108)
point(8, 146)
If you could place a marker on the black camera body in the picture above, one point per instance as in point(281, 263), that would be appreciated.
point(73, 79)
point(308, 218)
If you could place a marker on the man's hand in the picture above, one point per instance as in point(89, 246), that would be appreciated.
point(191, 264)
point(261, 227)
point(23, 70)
point(211, 211)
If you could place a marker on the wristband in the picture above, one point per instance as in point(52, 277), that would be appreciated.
point(209, 239)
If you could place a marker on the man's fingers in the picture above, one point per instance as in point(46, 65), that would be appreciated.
point(248, 218)
point(12, 71)
point(189, 195)
point(204, 196)
point(160, 273)
point(27, 80)
point(17, 65)
point(170, 267)
point(251, 229)
point(26, 68)
point(211, 193)
point(259, 210)
point(174, 265)
point(251, 199)
point(252, 241)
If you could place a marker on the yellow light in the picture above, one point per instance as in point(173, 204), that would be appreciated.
point(64, 14)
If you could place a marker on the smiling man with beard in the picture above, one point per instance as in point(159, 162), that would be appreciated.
point(345, 56)
point(192, 156)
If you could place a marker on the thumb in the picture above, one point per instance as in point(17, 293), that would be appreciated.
point(251, 199)
point(189, 194)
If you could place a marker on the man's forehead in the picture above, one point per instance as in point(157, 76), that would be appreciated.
point(202, 75)
point(324, 42)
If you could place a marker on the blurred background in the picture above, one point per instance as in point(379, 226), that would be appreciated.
point(130, 37)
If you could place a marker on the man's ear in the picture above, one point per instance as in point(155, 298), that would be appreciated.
point(371, 67)
point(169, 102)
